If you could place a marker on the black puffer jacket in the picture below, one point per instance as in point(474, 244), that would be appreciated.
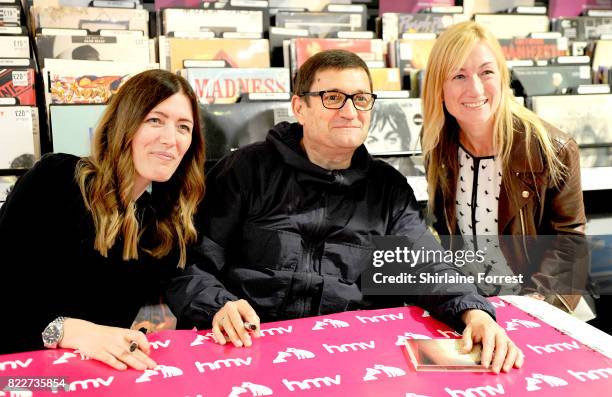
point(290, 237)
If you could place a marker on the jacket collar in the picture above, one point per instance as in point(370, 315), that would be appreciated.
point(285, 138)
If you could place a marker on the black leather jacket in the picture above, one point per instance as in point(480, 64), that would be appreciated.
point(289, 236)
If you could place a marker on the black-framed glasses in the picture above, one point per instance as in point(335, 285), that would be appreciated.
point(335, 99)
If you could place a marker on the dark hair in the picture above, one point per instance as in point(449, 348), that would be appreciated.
point(330, 59)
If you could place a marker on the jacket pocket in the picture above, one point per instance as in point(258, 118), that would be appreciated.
point(270, 249)
point(345, 261)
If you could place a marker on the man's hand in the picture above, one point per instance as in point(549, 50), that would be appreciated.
point(230, 318)
point(497, 349)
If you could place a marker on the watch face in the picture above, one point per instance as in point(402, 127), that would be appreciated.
point(51, 334)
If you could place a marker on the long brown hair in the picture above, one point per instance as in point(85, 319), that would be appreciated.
point(106, 178)
point(440, 129)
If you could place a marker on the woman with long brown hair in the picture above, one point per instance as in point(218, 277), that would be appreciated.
point(90, 240)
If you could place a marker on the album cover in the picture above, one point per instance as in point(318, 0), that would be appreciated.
point(91, 18)
point(94, 48)
point(225, 85)
point(583, 28)
point(321, 24)
point(507, 26)
point(548, 80)
point(308, 5)
point(19, 136)
point(596, 157)
point(6, 185)
point(386, 79)
point(443, 355)
point(602, 56)
point(304, 48)
point(277, 36)
point(14, 46)
point(17, 81)
point(62, 3)
point(159, 4)
point(238, 53)
point(590, 122)
point(494, 6)
point(395, 126)
point(71, 137)
point(394, 24)
point(411, 6)
point(10, 15)
point(534, 48)
point(72, 81)
point(217, 21)
point(230, 126)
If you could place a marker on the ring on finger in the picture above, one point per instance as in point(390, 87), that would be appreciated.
point(133, 346)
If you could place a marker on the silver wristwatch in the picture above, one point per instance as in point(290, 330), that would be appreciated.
point(53, 333)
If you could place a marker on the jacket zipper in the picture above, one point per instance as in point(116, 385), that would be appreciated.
point(523, 234)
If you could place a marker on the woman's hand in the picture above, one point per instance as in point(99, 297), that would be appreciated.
point(110, 345)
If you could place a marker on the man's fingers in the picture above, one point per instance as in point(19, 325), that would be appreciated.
point(511, 357)
point(249, 315)
point(218, 336)
point(488, 342)
point(238, 324)
point(467, 340)
point(142, 357)
point(520, 358)
point(141, 339)
point(501, 349)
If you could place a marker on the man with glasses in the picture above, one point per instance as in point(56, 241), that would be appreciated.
point(287, 224)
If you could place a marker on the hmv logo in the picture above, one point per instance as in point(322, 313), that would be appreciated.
point(497, 304)
point(307, 384)
point(157, 344)
point(319, 325)
point(200, 339)
point(86, 384)
point(401, 339)
point(535, 381)
point(555, 347)
point(331, 349)
point(15, 364)
point(276, 331)
point(381, 318)
point(165, 370)
point(481, 391)
point(17, 393)
point(594, 374)
point(229, 362)
point(300, 354)
point(513, 324)
point(378, 369)
point(66, 356)
point(247, 387)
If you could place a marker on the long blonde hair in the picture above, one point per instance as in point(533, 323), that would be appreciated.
point(440, 129)
point(106, 178)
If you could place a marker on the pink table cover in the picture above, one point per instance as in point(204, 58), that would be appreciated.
point(345, 354)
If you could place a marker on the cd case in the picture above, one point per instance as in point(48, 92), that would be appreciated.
point(443, 355)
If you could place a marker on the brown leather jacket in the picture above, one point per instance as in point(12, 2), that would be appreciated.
point(532, 207)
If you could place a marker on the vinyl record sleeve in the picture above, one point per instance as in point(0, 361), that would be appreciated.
point(69, 136)
point(94, 48)
point(218, 21)
point(588, 123)
point(321, 24)
point(90, 18)
point(443, 355)
point(507, 26)
point(395, 126)
point(18, 82)
point(238, 53)
point(225, 85)
point(19, 136)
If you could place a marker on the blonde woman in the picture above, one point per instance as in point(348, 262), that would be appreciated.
point(493, 167)
point(87, 241)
